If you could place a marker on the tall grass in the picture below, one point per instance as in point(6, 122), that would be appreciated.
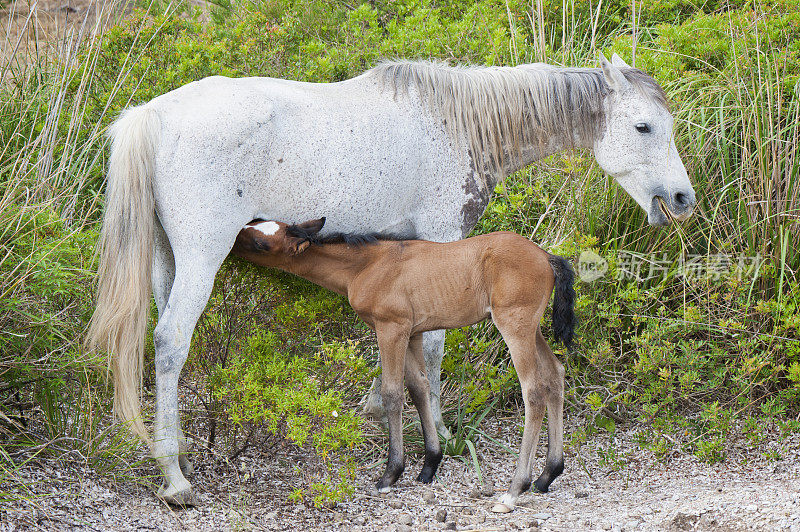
point(54, 404)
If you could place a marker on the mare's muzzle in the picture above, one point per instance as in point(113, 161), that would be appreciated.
point(667, 207)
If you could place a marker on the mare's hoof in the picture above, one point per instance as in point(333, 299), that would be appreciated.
point(385, 489)
point(501, 508)
point(183, 498)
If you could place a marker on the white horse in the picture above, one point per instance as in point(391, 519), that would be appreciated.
point(407, 147)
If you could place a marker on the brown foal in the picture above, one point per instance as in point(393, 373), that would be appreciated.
point(402, 288)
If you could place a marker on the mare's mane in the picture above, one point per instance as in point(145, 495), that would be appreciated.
point(499, 110)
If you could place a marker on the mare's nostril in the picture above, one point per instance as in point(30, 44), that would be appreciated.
point(681, 199)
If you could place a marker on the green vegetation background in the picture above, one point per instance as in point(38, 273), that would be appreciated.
point(706, 361)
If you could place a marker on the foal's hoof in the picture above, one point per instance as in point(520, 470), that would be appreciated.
point(504, 505)
point(183, 498)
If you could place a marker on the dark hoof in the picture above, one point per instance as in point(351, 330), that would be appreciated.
point(426, 477)
point(541, 486)
point(388, 479)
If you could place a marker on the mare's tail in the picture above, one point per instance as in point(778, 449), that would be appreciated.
point(119, 323)
point(564, 320)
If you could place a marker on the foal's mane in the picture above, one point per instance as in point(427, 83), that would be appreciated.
point(500, 109)
point(351, 239)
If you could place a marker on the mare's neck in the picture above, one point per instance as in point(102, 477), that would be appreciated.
point(332, 266)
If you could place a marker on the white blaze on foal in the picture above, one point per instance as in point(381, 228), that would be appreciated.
point(267, 228)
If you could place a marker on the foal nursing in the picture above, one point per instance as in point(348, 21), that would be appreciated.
point(402, 288)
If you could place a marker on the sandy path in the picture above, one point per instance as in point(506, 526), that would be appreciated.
point(633, 492)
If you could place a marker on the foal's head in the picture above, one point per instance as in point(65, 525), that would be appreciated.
point(275, 239)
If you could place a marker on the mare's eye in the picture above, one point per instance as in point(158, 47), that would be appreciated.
point(641, 127)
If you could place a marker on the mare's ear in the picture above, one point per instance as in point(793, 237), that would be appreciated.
point(618, 62)
point(312, 226)
point(614, 77)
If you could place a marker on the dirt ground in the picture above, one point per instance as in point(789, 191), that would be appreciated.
point(610, 483)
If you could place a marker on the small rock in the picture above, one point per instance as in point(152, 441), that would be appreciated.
point(481, 518)
point(441, 515)
point(359, 520)
point(405, 519)
point(429, 497)
point(488, 489)
point(395, 504)
point(475, 494)
point(581, 494)
point(403, 528)
point(467, 511)
point(542, 516)
point(450, 526)
point(533, 524)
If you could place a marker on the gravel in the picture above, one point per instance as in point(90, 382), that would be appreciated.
point(637, 492)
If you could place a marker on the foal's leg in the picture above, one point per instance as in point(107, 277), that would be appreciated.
point(519, 333)
point(193, 282)
point(433, 347)
point(162, 278)
point(393, 342)
point(554, 374)
point(418, 388)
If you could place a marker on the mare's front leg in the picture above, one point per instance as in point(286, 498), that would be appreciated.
point(417, 383)
point(392, 341)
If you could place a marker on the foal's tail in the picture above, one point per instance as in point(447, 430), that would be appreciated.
point(119, 323)
point(564, 320)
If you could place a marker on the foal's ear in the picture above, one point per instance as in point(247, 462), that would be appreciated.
point(614, 77)
point(312, 226)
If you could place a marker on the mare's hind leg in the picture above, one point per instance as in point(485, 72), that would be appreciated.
point(194, 279)
point(418, 388)
point(554, 464)
point(518, 328)
point(162, 278)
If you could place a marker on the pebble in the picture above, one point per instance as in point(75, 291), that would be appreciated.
point(467, 511)
point(359, 520)
point(441, 515)
point(542, 516)
point(429, 497)
point(450, 526)
point(395, 504)
point(475, 494)
point(403, 528)
point(581, 494)
point(488, 489)
point(405, 519)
